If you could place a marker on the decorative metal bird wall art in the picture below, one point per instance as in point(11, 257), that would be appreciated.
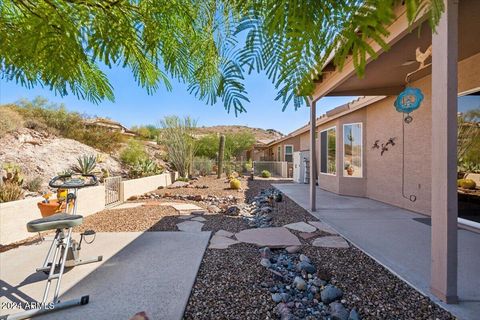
point(384, 146)
point(421, 57)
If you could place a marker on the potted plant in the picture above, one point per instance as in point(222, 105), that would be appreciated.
point(349, 168)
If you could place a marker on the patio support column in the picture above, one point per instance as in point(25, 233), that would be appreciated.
point(313, 156)
point(444, 155)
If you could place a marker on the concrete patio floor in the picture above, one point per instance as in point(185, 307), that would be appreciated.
point(152, 272)
point(393, 237)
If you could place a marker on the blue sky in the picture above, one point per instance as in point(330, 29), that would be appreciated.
point(133, 106)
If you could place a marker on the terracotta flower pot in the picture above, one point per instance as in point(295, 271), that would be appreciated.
point(52, 207)
point(350, 171)
point(47, 209)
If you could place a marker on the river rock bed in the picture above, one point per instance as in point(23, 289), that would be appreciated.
point(299, 291)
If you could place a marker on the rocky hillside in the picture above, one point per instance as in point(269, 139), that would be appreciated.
point(260, 134)
point(40, 154)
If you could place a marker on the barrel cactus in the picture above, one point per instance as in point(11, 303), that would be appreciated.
point(235, 184)
point(266, 174)
point(466, 184)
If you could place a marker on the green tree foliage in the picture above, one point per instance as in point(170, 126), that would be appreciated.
point(235, 144)
point(61, 44)
point(133, 153)
point(148, 132)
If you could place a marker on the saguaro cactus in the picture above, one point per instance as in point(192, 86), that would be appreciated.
point(221, 152)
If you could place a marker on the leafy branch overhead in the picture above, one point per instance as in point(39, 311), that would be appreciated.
point(65, 45)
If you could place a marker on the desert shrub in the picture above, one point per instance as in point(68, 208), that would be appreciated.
point(466, 183)
point(247, 166)
point(133, 153)
point(145, 168)
point(184, 179)
point(86, 164)
point(101, 139)
point(266, 174)
point(235, 184)
point(10, 120)
point(148, 132)
point(10, 192)
point(34, 184)
point(202, 166)
point(177, 137)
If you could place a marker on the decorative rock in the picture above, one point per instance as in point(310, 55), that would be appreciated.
point(190, 226)
point(265, 262)
point(354, 315)
point(304, 258)
point(178, 184)
point(338, 311)
point(299, 283)
point(307, 267)
point(283, 311)
point(318, 282)
point(265, 252)
point(224, 233)
point(293, 249)
point(232, 211)
point(276, 297)
point(330, 293)
point(213, 209)
point(330, 242)
point(301, 226)
point(323, 227)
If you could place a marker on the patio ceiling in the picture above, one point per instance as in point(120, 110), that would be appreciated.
point(386, 75)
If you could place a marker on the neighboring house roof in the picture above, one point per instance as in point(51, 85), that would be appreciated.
point(330, 115)
point(103, 122)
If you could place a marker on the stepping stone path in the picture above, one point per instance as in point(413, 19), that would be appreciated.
point(323, 227)
point(224, 233)
point(190, 226)
point(200, 219)
point(185, 217)
point(330, 242)
point(220, 242)
point(278, 237)
point(301, 226)
point(307, 235)
point(128, 205)
point(182, 206)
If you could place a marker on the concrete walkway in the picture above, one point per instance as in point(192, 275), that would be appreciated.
point(152, 272)
point(394, 238)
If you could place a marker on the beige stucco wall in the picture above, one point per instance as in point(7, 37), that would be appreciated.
point(139, 186)
point(384, 181)
point(294, 141)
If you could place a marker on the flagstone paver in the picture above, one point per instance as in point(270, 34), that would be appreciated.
point(200, 219)
point(186, 217)
point(330, 242)
point(277, 237)
point(224, 233)
point(128, 205)
point(190, 226)
point(323, 227)
point(307, 235)
point(182, 206)
point(220, 242)
point(301, 226)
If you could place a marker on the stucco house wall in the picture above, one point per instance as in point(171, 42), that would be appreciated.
point(294, 141)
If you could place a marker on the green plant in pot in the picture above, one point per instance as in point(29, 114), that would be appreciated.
point(349, 168)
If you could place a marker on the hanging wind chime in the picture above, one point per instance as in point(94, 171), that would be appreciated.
point(408, 101)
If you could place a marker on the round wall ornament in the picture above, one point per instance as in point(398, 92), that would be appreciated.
point(409, 100)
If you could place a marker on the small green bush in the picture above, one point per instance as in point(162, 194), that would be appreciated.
point(466, 183)
point(184, 179)
point(10, 120)
point(34, 185)
point(202, 166)
point(133, 153)
point(10, 192)
point(247, 167)
point(145, 168)
point(99, 138)
point(266, 174)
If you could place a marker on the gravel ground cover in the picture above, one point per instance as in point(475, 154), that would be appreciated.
point(232, 284)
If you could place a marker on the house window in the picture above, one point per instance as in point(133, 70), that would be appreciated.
point(328, 151)
point(352, 150)
point(279, 150)
point(288, 153)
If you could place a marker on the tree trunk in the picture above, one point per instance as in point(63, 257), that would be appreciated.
point(221, 151)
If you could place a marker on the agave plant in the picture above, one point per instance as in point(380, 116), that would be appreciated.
point(86, 164)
